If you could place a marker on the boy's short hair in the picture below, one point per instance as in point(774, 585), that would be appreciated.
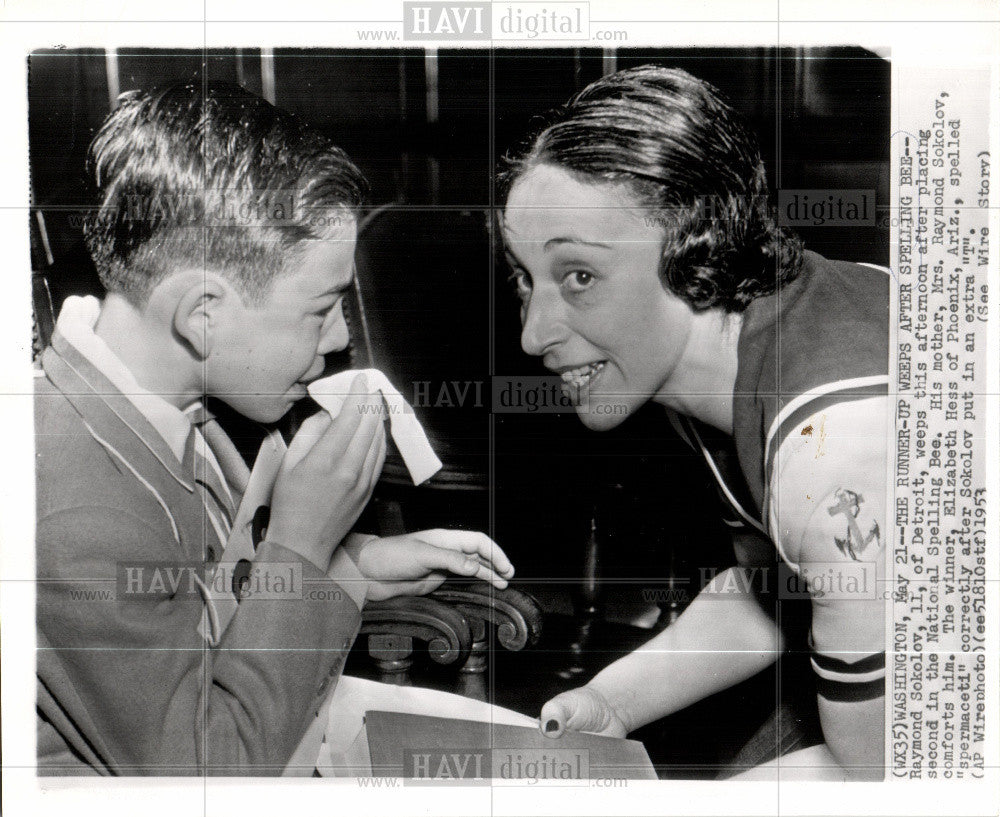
point(674, 143)
point(210, 176)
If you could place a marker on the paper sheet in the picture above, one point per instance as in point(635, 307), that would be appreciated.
point(345, 750)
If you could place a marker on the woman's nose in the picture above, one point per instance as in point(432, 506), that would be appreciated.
point(541, 328)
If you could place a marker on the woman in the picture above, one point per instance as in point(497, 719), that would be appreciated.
point(650, 268)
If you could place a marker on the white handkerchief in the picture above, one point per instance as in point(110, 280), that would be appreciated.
point(409, 435)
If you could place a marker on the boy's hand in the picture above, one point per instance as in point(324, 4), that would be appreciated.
point(328, 476)
point(417, 563)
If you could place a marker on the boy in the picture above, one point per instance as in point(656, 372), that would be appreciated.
point(225, 239)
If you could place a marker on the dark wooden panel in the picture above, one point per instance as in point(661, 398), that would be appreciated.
point(529, 83)
point(67, 101)
point(143, 69)
point(354, 98)
point(460, 142)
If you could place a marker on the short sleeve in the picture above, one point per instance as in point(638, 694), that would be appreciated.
point(827, 515)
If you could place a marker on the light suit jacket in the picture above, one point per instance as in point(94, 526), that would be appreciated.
point(126, 685)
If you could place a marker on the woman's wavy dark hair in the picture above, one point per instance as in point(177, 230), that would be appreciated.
point(674, 143)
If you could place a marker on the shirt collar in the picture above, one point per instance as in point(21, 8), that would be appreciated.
point(76, 323)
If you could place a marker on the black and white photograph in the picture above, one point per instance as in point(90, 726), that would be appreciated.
point(482, 409)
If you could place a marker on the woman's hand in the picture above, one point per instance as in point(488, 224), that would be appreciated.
point(417, 563)
point(581, 710)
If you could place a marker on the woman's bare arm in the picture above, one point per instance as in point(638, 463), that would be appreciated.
point(722, 638)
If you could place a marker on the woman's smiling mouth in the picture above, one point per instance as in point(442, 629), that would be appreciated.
point(578, 378)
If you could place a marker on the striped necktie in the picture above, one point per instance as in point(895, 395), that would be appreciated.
point(219, 498)
point(233, 466)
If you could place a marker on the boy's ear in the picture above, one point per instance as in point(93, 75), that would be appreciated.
point(197, 315)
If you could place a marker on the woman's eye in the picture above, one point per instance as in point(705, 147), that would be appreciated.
point(521, 283)
point(578, 280)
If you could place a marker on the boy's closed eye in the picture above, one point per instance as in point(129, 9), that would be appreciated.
point(325, 309)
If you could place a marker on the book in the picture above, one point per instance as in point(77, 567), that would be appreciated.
point(424, 747)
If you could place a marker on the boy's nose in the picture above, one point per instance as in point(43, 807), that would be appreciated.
point(336, 337)
point(317, 368)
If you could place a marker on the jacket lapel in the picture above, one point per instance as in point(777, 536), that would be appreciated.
point(114, 421)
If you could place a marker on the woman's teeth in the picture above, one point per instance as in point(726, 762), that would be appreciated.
point(583, 374)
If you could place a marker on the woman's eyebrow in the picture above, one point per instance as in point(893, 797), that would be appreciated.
point(555, 242)
point(512, 259)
